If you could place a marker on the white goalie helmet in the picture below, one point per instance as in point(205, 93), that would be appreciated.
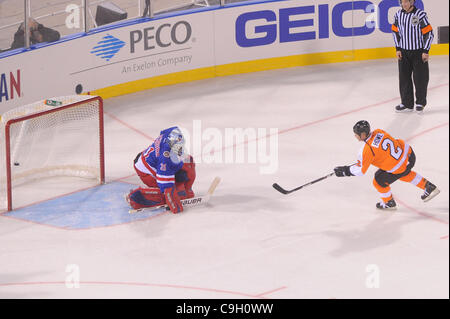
point(176, 142)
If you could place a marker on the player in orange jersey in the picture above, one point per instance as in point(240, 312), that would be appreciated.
point(394, 157)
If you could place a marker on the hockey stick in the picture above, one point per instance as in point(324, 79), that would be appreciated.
point(189, 202)
point(285, 192)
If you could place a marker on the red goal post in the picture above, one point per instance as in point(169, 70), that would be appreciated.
point(61, 136)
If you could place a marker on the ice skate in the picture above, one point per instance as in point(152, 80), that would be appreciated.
point(430, 191)
point(390, 205)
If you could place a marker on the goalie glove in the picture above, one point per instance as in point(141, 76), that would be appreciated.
point(342, 171)
point(173, 200)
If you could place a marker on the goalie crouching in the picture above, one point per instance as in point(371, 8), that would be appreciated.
point(167, 172)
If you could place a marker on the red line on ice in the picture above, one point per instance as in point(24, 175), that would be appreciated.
point(129, 126)
point(270, 291)
point(421, 213)
point(329, 118)
point(138, 284)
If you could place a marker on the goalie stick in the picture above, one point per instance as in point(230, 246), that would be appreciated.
point(189, 202)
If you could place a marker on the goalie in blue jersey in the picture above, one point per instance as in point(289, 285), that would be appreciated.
point(167, 172)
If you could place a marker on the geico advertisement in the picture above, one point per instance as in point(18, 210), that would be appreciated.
point(144, 50)
point(285, 28)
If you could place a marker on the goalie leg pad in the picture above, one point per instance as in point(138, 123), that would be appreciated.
point(145, 197)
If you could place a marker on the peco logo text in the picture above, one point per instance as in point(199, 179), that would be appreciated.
point(162, 36)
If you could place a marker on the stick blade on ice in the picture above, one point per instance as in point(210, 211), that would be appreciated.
point(279, 188)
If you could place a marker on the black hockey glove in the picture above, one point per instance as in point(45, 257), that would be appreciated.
point(342, 171)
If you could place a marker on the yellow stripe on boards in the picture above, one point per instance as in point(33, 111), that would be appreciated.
point(256, 66)
point(439, 49)
point(154, 82)
point(284, 62)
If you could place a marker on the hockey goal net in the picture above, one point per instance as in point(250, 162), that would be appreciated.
point(56, 137)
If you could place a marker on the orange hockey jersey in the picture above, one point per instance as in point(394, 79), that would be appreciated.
point(383, 151)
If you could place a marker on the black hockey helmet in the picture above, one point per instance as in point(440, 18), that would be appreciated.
point(361, 127)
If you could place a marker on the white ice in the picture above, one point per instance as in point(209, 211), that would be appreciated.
point(324, 241)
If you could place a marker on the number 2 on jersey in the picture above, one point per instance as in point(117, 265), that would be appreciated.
point(395, 153)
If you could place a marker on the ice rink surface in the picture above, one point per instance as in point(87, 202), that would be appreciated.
point(324, 241)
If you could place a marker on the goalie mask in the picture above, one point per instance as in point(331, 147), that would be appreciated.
point(176, 141)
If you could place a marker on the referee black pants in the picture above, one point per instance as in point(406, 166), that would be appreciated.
point(412, 69)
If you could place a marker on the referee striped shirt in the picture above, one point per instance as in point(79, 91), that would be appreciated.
point(412, 31)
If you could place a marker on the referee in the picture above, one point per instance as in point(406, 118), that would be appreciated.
point(412, 36)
